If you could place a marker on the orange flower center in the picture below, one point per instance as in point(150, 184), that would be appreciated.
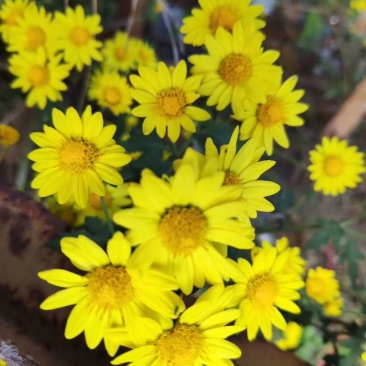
point(95, 202)
point(110, 287)
point(79, 36)
point(77, 155)
point(112, 96)
point(236, 69)
point(8, 135)
point(180, 347)
point(38, 76)
point(171, 103)
point(36, 38)
point(333, 166)
point(12, 19)
point(231, 179)
point(270, 113)
point(262, 290)
point(183, 230)
point(223, 17)
point(120, 53)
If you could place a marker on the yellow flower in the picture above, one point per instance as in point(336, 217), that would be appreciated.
point(295, 264)
point(267, 120)
point(33, 31)
point(219, 13)
point(166, 97)
point(321, 285)
point(8, 135)
point(113, 292)
point(76, 157)
point(291, 337)
point(243, 169)
point(197, 338)
point(335, 166)
point(77, 36)
point(363, 357)
point(119, 53)
point(10, 12)
point(3, 363)
point(115, 198)
point(263, 289)
point(145, 54)
point(111, 90)
point(179, 224)
point(333, 307)
point(38, 75)
point(358, 5)
point(236, 68)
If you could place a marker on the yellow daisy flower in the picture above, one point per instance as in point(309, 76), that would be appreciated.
point(166, 97)
point(41, 77)
point(197, 338)
point(9, 135)
point(334, 307)
point(113, 291)
point(34, 30)
point(243, 169)
point(358, 5)
point(295, 264)
point(179, 222)
point(111, 90)
point(335, 166)
point(77, 36)
point(291, 337)
point(145, 54)
point(115, 199)
point(219, 13)
point(263, 289)
point(321, 285)
point(267, 120)
point(363, 358)
point(236, 68)
point(119, 53)
point(76, 156)
point(10, 12)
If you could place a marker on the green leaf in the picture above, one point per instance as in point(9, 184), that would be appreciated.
point(318, 240)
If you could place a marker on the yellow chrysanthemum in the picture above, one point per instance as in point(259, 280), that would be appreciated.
point(197, 338)
point(41, 77)
point(113, 292)
point(115, 199)
point(77, 33)
point(10, 12)
point(358, 5)
point(33, 31)
point(8, 135)
point(295, 264)
point(145, 54)
point(219, 13)
point(119, 53)
point(267, 120)
point(334, 307)
point(363, 358)
point(111, 90)
point(76, 157)
point(263, 289)
point(291, 337)
point(243, 169)
point(179, 223)
point(236, 68)
point(335, 166)
point(166, 97)
point(321, 285)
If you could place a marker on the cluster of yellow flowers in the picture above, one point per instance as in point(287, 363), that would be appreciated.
point(174, 237)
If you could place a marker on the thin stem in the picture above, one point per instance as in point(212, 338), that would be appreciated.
point(171, 37)
point(107, 216)
point(94, 6)
point(290, 159)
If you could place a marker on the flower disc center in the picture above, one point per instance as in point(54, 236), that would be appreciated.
point(38, 76)
point(236, 69)
point(262, 290)
point(171, 103)
point(333, 166)
point(112, 96)
point(223, 17)
point(271, 113)
point(79, 36)
point(36, 38)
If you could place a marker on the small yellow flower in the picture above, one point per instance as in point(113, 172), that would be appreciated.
point(358, 5)
point(40, 76)
point(321, 285)
point(335, 166)
point(8, 135)
point(77, 33)
point(111, 91)
point(291, 337)
point(76, 156)
point(145, 54)
point(333, 307)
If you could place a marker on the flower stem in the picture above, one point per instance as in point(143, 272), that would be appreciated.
point(107, 216)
